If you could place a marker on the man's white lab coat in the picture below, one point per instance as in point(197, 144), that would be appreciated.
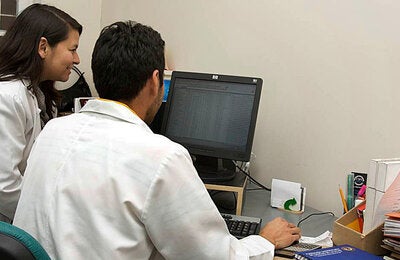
point(111, 189)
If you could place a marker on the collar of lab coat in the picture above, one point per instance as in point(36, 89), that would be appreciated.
point(113, 109)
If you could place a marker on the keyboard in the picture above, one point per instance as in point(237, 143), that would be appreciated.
point(301, 247)
point(290, 251)
point(242, 226)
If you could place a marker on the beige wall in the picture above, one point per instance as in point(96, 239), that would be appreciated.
point(331, 73)
point(330, 70)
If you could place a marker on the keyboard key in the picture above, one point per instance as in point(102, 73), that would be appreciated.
point(242, 226)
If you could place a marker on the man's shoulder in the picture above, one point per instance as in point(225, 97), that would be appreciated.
point(167, 144)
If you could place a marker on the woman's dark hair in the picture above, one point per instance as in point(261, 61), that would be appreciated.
point(19, 57)
point(124, 58)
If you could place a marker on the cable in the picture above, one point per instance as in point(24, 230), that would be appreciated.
point(314, 214)
point(251, 178)
point(268, 189)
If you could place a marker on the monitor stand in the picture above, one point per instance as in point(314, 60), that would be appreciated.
point(211, 169)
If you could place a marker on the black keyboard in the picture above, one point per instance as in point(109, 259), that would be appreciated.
point(242, 226)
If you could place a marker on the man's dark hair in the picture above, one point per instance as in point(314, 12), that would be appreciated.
point(124, 58)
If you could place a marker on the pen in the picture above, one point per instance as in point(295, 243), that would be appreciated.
point(361, 191)
point(343, 200)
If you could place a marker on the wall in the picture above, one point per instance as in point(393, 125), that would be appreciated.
point(330, 73)
point(330, 70)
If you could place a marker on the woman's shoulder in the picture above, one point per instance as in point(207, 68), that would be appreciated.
point(14, 92)
point(13, 87)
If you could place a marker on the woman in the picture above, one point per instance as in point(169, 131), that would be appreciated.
point(38, 49)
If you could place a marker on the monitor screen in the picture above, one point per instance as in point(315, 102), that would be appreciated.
point(155, 125)
point(212, 115)
point(167, 82)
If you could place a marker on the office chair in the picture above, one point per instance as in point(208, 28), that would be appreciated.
point(17, 244)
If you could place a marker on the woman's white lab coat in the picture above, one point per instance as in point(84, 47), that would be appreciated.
point(19, 127)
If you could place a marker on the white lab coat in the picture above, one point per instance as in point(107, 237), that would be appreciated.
point(111, 189)
point(19, 127)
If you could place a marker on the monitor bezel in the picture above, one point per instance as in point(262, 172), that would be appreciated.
point(207, 150)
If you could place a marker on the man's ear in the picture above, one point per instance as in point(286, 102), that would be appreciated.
point(155, 82)
point(43, 47)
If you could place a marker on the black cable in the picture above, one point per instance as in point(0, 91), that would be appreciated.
point(235, 200)
point(251, 178)
point(268, 189)
point(314, 214)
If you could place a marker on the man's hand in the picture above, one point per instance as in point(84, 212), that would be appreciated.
point(280, 232)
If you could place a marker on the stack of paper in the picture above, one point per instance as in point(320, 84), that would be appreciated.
point(391, 232)
point(391, 227)
point(382, 173)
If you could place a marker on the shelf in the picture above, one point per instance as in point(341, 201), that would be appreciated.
point(238, 185)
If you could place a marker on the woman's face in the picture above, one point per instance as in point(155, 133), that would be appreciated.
point(59, 59)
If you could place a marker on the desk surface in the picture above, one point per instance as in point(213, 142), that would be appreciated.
point(257, 204)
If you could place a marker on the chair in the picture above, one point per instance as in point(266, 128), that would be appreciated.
point(17, 244)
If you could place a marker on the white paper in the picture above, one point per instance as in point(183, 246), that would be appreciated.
point(282, 191)
point(325, 239)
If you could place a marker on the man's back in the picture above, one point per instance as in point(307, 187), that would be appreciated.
point(96, 195)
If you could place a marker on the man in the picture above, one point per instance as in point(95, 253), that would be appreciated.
point(101, 185)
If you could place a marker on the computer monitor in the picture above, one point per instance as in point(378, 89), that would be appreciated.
point(214, 117)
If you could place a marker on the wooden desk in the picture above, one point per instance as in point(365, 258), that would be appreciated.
point(258, 205)
point(238, 185)
point(255, 202)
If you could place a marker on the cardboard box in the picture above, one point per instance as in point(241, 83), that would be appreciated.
point(343, 234)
